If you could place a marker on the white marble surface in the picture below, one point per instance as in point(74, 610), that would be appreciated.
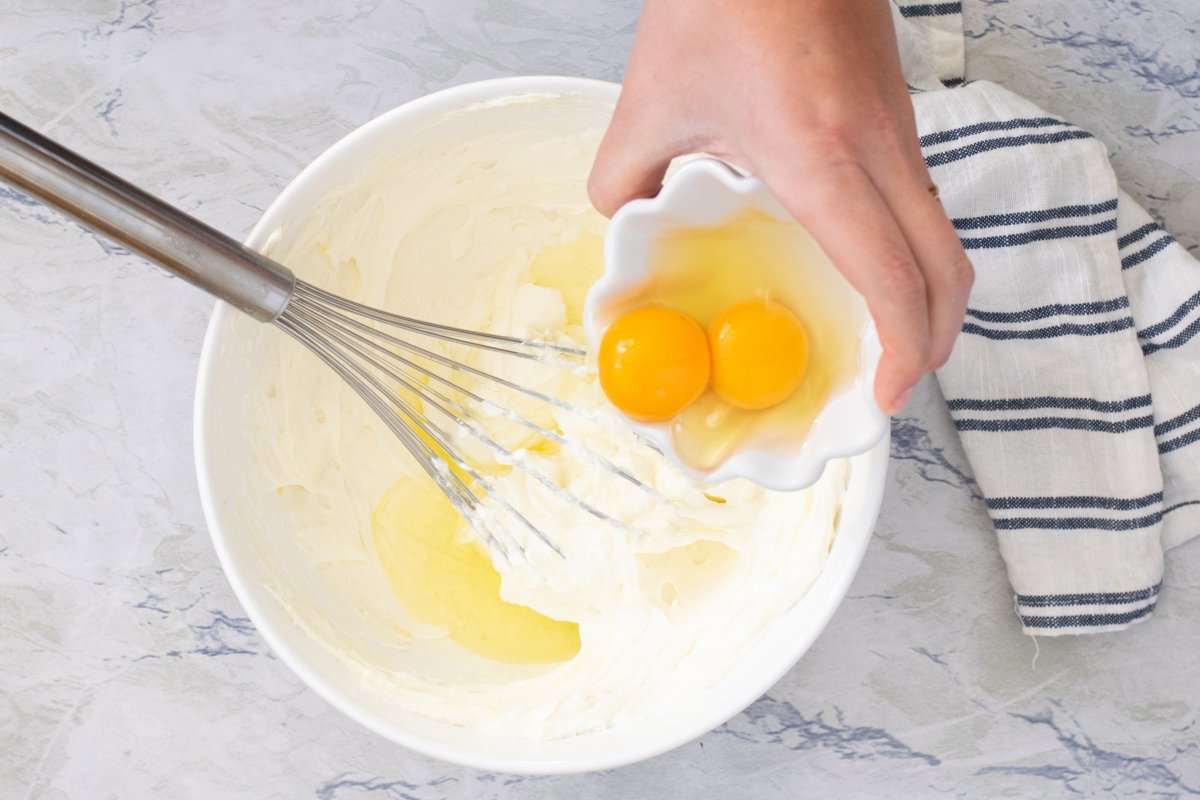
point(127, 669)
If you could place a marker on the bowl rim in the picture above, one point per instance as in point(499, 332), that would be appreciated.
point(847, 550)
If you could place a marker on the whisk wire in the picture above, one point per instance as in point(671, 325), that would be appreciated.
point(460, 495)
point(354, 363)
point(432, 328)
point(335, 323)
point(448, 408)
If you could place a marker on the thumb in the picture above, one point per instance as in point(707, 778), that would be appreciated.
point(630, 163)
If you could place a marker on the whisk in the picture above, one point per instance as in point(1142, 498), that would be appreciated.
point(423, 396)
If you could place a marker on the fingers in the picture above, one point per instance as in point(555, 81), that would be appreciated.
point(935, 245)
point(838, 203)
point(631, 161)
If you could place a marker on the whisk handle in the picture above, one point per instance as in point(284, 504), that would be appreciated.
point(178, 242)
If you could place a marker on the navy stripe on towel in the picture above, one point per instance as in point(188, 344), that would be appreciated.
point(1178, 506)
point(1077, 523)
point(941, 137)
point(1087, 620)
point(1054, 309)
point(1025, 403)
point(1046, 423)
point(1091, 599)
point(1184, 309)
point(1178, 442)
point(1191, 415)
point(1178, 340)
point(1053, 331)
point(1075, 501)
point(1148, 252)
point(930, 10)
point(975, 148)
point(1039, 235)
point(1137, 234)
point(1030, 217)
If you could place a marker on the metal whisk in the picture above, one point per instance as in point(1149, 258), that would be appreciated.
point(423, 396)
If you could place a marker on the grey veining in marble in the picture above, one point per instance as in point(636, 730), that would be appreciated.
point(128, 670)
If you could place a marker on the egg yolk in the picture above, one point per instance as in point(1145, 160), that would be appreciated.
point(653, 363)
point(759, 354)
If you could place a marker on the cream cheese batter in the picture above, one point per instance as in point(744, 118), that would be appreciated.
point(481, 220)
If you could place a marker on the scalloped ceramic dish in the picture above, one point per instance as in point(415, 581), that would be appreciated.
point(704, 193)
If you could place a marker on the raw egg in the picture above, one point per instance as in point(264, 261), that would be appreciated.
point(748, 331)
point(759, 354)
point(653, 363)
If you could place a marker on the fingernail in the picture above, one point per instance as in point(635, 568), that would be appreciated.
point(900, 401)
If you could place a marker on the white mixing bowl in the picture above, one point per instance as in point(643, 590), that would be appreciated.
point(222, 440)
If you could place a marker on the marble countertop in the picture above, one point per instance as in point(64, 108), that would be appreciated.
point(128, 669)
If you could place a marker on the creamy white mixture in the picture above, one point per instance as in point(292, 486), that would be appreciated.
point(445, 228)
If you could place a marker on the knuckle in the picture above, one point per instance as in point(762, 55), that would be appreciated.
point(941, 354)
point(909, 349)
point(812, 187)
point(835, 143)
point(910, 359)
point(959, 274)
point(900, 282)
point(894, 144)
point(890, 128)
point(855, 132)
point(889, 137)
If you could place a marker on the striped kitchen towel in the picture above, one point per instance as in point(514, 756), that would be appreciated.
point(1075, 384)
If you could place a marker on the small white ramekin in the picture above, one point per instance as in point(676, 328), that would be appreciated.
point(703, 193)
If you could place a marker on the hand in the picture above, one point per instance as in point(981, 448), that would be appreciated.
point(808, 96)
